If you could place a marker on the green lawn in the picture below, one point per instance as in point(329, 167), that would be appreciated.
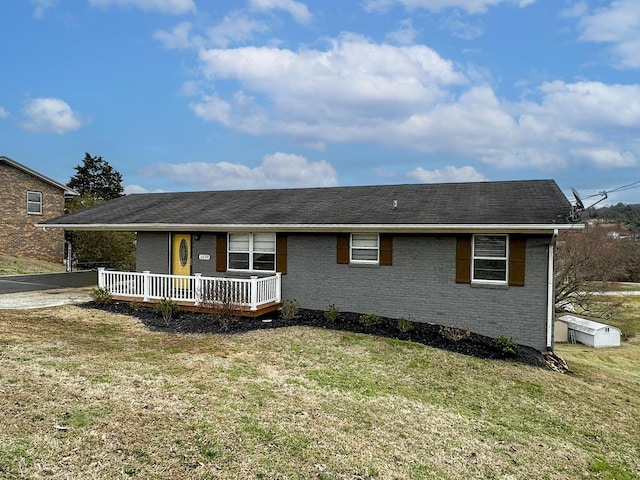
point(629, 287)
point(87, 394)
point(626, 314)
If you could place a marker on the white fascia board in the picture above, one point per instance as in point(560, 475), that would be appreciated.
point(312, 228)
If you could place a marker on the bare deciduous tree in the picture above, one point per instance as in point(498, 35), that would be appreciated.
point(586, 262)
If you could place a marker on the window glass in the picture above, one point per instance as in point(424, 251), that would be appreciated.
point(264, 242)
point(264, 261)
point(364, 255)
point(490, 270)
point(252, 251)
point(364, 247)
point(238, 261)
point(238, 242)
point(34, 202)
point(490, 246)
point(490, 258)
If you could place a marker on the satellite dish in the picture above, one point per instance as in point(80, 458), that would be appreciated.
point(578, 208)
point(579, 203)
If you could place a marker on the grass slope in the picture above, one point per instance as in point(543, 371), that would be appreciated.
point(21, 265)
point(96, 395)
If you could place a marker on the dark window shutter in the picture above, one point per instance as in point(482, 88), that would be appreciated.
point(221, 252)
point(517, 250)
point(281, 253)
point(463, 259)
point(386, 250)
point(342, 254)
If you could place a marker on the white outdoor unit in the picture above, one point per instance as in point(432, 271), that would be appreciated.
point(591, 333)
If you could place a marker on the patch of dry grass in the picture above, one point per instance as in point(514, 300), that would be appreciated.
point(627, 316)
point(87, 394)
point(10, 265)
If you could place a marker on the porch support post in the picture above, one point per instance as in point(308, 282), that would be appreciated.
point(101, 279)
point(278, 287)
point(146, 287)
point(198, 289)
point(254, 292)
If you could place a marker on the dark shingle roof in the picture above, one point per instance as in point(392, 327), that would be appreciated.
point(512, 202)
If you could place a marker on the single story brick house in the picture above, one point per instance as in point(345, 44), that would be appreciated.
point(26, 199)
point(476, 255)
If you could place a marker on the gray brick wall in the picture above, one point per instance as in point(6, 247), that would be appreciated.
point(18, 233)
point(420, 283)
point(206, 245)
point(152, 252)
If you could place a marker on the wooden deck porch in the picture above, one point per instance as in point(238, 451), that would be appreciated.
point(239, 311)
point(246, 297)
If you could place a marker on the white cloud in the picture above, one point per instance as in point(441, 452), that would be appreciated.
point(173, 7)
point(235, 27)
point(50, 115)
point(447, 175)
point(324, 95)
point(3, 113)
point(277, 170)
point(410, 97)
point(461, 28)
point(619, 26)
point(297, 10)
point(607, 158)
point(576, 10)
point(134, 188)
point(178, 37)
point(405, 34)
point(469, 6)
point(590, 105)
point(41, 6)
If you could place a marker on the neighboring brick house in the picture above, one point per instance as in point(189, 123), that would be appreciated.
point(26, 199)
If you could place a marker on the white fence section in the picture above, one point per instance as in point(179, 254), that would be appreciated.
point(249, 292)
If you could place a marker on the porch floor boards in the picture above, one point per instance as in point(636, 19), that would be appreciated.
point(241, 311)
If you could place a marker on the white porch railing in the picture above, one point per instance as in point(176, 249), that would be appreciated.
point(249, 292)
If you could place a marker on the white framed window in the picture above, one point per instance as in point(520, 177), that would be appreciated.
point(34, 203)
point(252, 251)
point(365, 248)
point(490, 258)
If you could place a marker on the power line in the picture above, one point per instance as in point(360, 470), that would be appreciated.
point(629, 186)
point(626, 187)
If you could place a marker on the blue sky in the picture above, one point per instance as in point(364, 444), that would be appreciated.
point(192, 95)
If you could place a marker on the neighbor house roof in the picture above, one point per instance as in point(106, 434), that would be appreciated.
point(513, 205)
point(29, 171)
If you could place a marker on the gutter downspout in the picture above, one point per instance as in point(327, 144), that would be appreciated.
point(551, 290)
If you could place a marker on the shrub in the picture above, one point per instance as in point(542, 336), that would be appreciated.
point(134, 305)
point(218, 299)
point(507, 346)
point(370, 319)
point(101, 296)
point(404, 324)
point(290, 310)
point(332, 313)
point(225, 320)
point(168, 309)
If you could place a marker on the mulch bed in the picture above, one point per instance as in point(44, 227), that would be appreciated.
point(438, 336)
